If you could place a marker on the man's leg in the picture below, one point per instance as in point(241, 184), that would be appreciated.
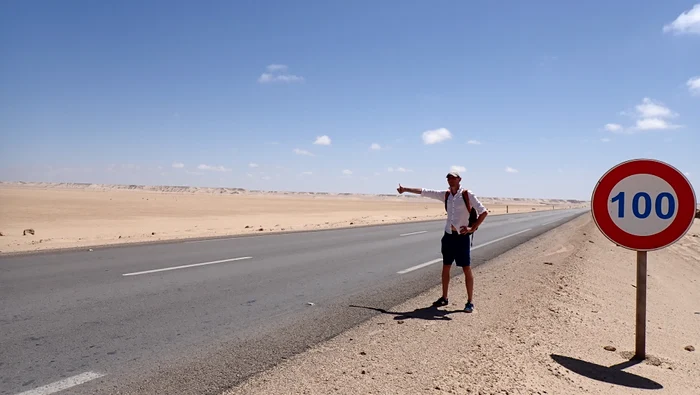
point(469, 277)
point(464, 260)
point(447, 250)
point(445, 279)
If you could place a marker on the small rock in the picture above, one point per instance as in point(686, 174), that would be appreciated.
point(364, 372)
point(247, 226)
point(400, 322)
point(260, 230)
point(90, 249)
point(363, 353)
point(696, 236)
point(610, 348)
point(120, 237)
point(689, 348)
point(310, 303)
point(591, 241)
point(1, 234)
point(30, 231)
point(548, 263)
point(153, 233)
point(352, 223)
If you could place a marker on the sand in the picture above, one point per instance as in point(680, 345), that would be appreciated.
point(545, 313)
point(84, 215)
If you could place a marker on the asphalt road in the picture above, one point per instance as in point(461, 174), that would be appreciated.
point(198, 317)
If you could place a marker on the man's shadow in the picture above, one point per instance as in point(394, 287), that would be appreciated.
point(612, 374)
point(423, 313)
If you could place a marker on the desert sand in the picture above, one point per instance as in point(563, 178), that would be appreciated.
point(83, 215)
point(545, 313)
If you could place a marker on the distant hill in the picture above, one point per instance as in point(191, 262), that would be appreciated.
point(242, 191)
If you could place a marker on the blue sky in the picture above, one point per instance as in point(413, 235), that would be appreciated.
point(533, 100)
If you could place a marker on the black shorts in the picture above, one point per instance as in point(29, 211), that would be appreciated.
point(456, 248)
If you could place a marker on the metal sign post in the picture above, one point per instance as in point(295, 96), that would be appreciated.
point(641, 333)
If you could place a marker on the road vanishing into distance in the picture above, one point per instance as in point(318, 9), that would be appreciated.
point(196, 317)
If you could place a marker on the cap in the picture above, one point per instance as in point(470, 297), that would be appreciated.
point(453, 174)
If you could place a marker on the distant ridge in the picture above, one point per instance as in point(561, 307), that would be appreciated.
point(242, 191)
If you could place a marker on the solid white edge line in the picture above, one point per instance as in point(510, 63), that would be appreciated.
point(550, 222)
point(414, 233)
point(63, 384)
point(422, 265)
point(186, 266)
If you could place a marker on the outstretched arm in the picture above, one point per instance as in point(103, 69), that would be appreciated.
point(429, 193)
point(401, 189)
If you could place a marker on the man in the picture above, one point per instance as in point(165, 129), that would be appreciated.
point(455, 243)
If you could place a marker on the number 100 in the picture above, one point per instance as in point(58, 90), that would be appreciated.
point(620, 200)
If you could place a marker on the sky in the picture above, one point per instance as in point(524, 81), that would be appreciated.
point(526, 99)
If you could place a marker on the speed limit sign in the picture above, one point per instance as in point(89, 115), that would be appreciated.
point(643, 205)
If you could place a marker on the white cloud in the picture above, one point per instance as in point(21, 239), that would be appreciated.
point(650, 109)
point(375, 147)
point(687, 22)
point(178, 165)
point(654, 124)
point(390, 170)
point(212, 168)
point(402, 170)
point(249, 175)
point(650, 115)
point(613, 127)
point(323, 140)
point(605, 140)
point(694, 86)
point(306, 173)
point(436, 136)
point(377, 174)
point(266, 178)
point(459, 169)
point(474, 142)
point(302, 152)
point(278, 73)
point(511, 170)
point(687, 174)
point(253, 165)
point(347, 172)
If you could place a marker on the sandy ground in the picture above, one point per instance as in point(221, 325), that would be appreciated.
point(545, 312)
point(73, 215)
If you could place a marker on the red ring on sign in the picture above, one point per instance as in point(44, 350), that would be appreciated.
point(681, 223)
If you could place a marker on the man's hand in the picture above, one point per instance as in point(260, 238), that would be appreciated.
point(466, 229)
point(401, 189)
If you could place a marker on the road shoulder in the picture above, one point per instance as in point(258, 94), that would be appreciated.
point(544, 309)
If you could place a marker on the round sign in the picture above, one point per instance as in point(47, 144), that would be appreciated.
point(643, 204)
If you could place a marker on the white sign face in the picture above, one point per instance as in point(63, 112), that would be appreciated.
point(643, 204)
